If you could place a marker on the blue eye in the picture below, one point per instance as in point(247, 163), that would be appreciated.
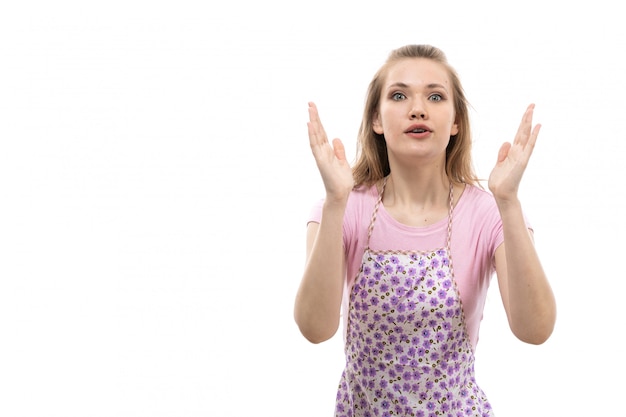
point(435, 97)
point(398, 96)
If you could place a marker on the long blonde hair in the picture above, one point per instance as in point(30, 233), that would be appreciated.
point(372, 163)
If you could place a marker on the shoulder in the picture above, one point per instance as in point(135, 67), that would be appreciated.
point(361, 200)
point(478, 206)
point(477, 199)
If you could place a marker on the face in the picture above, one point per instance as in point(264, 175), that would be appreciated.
point(416, 113)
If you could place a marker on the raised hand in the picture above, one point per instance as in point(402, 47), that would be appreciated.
point(513, 158)
point(330, 159)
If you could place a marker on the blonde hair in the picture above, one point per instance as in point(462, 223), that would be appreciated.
point(372, 163)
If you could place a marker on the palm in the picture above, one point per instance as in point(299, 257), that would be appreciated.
point(513, 158)
point(330, 159)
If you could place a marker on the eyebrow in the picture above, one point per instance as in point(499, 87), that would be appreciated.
point(428, 86)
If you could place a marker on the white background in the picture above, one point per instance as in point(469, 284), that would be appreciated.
point(155, 180)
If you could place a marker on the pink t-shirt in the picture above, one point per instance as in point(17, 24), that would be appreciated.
point(476, 233)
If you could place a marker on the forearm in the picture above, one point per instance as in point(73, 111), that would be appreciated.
point(531, 305)
point(318, 301)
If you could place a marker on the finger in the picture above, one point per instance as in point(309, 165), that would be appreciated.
point(504, 151)
point(317, 135)
point(532, 140)
point(340, 150)
point(523, 132)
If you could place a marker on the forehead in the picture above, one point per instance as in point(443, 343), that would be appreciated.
point(417, 71)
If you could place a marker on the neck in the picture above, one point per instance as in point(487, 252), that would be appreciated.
point(423, 190)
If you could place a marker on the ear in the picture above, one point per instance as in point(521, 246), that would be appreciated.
point(454, 130)
point(376, 124)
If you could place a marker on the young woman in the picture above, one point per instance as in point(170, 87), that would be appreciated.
point(406, 241)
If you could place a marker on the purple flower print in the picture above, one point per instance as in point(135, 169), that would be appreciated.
point(442, 294)
point(394, 260)
point(377, 275)
point(386, 307)
point(395, 280)
point(411, 305)
point(374, 300)
point(388, 269)
point(400, 269)
point(422, 262)
point(380, 258)
point(384, 288)
point(421, 351)
point(445, 261)
point(441, 274)
point(371, 282)
point(367, 270)
point(430, 282)
point(394, 300)
point(434, 302)
point(434, 263)
point(412, 272)
point(401, 308)
point(421, 297)
point(440, 252)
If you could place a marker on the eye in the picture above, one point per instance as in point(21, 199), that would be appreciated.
point(435, 97)
point(398, 96)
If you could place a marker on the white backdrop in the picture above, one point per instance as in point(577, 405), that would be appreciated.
point(155, 180)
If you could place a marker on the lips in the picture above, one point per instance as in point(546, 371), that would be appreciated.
point(417, 129)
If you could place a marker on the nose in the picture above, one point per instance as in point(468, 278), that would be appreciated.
point(417, 111)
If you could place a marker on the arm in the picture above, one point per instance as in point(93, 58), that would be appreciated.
point(526, 293)
point(318, 300)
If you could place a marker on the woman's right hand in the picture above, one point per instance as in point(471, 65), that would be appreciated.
point(330, 159)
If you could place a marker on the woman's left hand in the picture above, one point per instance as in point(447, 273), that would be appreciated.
point(513, 158)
